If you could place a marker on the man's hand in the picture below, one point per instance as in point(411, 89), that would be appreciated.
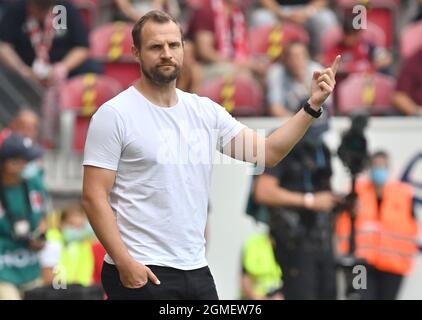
point(135, 275)
point(322, 201)
point(323, 84)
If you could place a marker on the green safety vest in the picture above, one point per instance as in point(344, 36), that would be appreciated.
point(76, 264)
point(260, 263)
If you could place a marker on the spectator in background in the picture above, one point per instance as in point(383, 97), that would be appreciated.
point(261, 274)
point(386, 230)
point(357, 54)
point(22, 223)
point(219, 31)
point(315, 15)
point(298, 195)
point(69, 252)
point(408, 96)
point(34, 48)
point(26, 123)
point(133, 10)
point(289, 81)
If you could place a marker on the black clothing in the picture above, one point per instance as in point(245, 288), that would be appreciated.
point(13, 31)
point(175, 284)
point(303, 238)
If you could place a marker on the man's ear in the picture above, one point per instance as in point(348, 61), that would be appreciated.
point(135, 52)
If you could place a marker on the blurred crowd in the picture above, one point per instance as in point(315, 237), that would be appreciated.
point(254, 57)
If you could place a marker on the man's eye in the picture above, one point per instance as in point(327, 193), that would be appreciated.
point(174, 45)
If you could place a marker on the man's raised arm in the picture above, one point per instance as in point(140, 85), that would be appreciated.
point(249, 146)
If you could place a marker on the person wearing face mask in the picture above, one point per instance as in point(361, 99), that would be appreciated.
point(297, 193)
point(386, 230)
point(68, 255)
point(22, 223)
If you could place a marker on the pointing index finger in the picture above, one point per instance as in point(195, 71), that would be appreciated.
point(336, 64)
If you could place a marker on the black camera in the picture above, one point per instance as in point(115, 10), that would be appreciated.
point(353, 153)
point(353, 150)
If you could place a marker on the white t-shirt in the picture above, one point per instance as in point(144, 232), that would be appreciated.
point(163, 158)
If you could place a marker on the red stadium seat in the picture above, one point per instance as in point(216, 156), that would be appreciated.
point(80, 98)
point(411, 40)
point(270, 40)
point(363, 91)
point(241, 96)
point(112, 44)
point(381, 13)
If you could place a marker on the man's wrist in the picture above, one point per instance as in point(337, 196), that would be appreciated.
point(308, 200)
point(314, 105)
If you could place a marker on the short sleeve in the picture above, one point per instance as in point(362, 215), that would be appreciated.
point(202, 20)
point(104, 141)
point(274, 171)
point(78, 32)
point(227, 126)
point(9, 25)
point(405, 82)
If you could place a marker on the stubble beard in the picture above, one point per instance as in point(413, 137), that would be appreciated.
point(159, 78)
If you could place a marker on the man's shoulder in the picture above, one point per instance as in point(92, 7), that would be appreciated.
point(194, 98)
point(121, 102)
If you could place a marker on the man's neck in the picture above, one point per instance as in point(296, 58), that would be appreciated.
point(161, 95)
point(11, 180)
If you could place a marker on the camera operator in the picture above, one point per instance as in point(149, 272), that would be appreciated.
point(22, 224)
point(385, 230)
point(298, 195)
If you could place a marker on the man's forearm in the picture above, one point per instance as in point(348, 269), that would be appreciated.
point(12, 59)
point(281, 141)
point(405, 104)
point(103, 222)
point(75, 58)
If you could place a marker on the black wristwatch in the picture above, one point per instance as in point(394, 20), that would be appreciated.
point(315, 114)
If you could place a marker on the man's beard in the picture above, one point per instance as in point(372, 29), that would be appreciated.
point(158, 77)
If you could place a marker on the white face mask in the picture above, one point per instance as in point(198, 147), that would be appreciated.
point(31, 170)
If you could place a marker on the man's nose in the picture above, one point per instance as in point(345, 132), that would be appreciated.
point(166, 53)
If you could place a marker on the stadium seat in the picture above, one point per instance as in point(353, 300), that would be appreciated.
point(269, 40)
point(411, 40)
point(381, 13)
point(241, 96)
point(364, 91)
point(112, 44)
point(80, 98)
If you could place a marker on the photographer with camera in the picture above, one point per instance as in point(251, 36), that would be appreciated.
point(22, 224)
point(379, 230)
point(298, 195)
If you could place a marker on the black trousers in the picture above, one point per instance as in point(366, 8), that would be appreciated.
point(381, 285)
point(175, 284)
point(307, 263)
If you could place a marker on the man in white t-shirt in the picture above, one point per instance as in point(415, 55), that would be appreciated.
point(147, 168)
